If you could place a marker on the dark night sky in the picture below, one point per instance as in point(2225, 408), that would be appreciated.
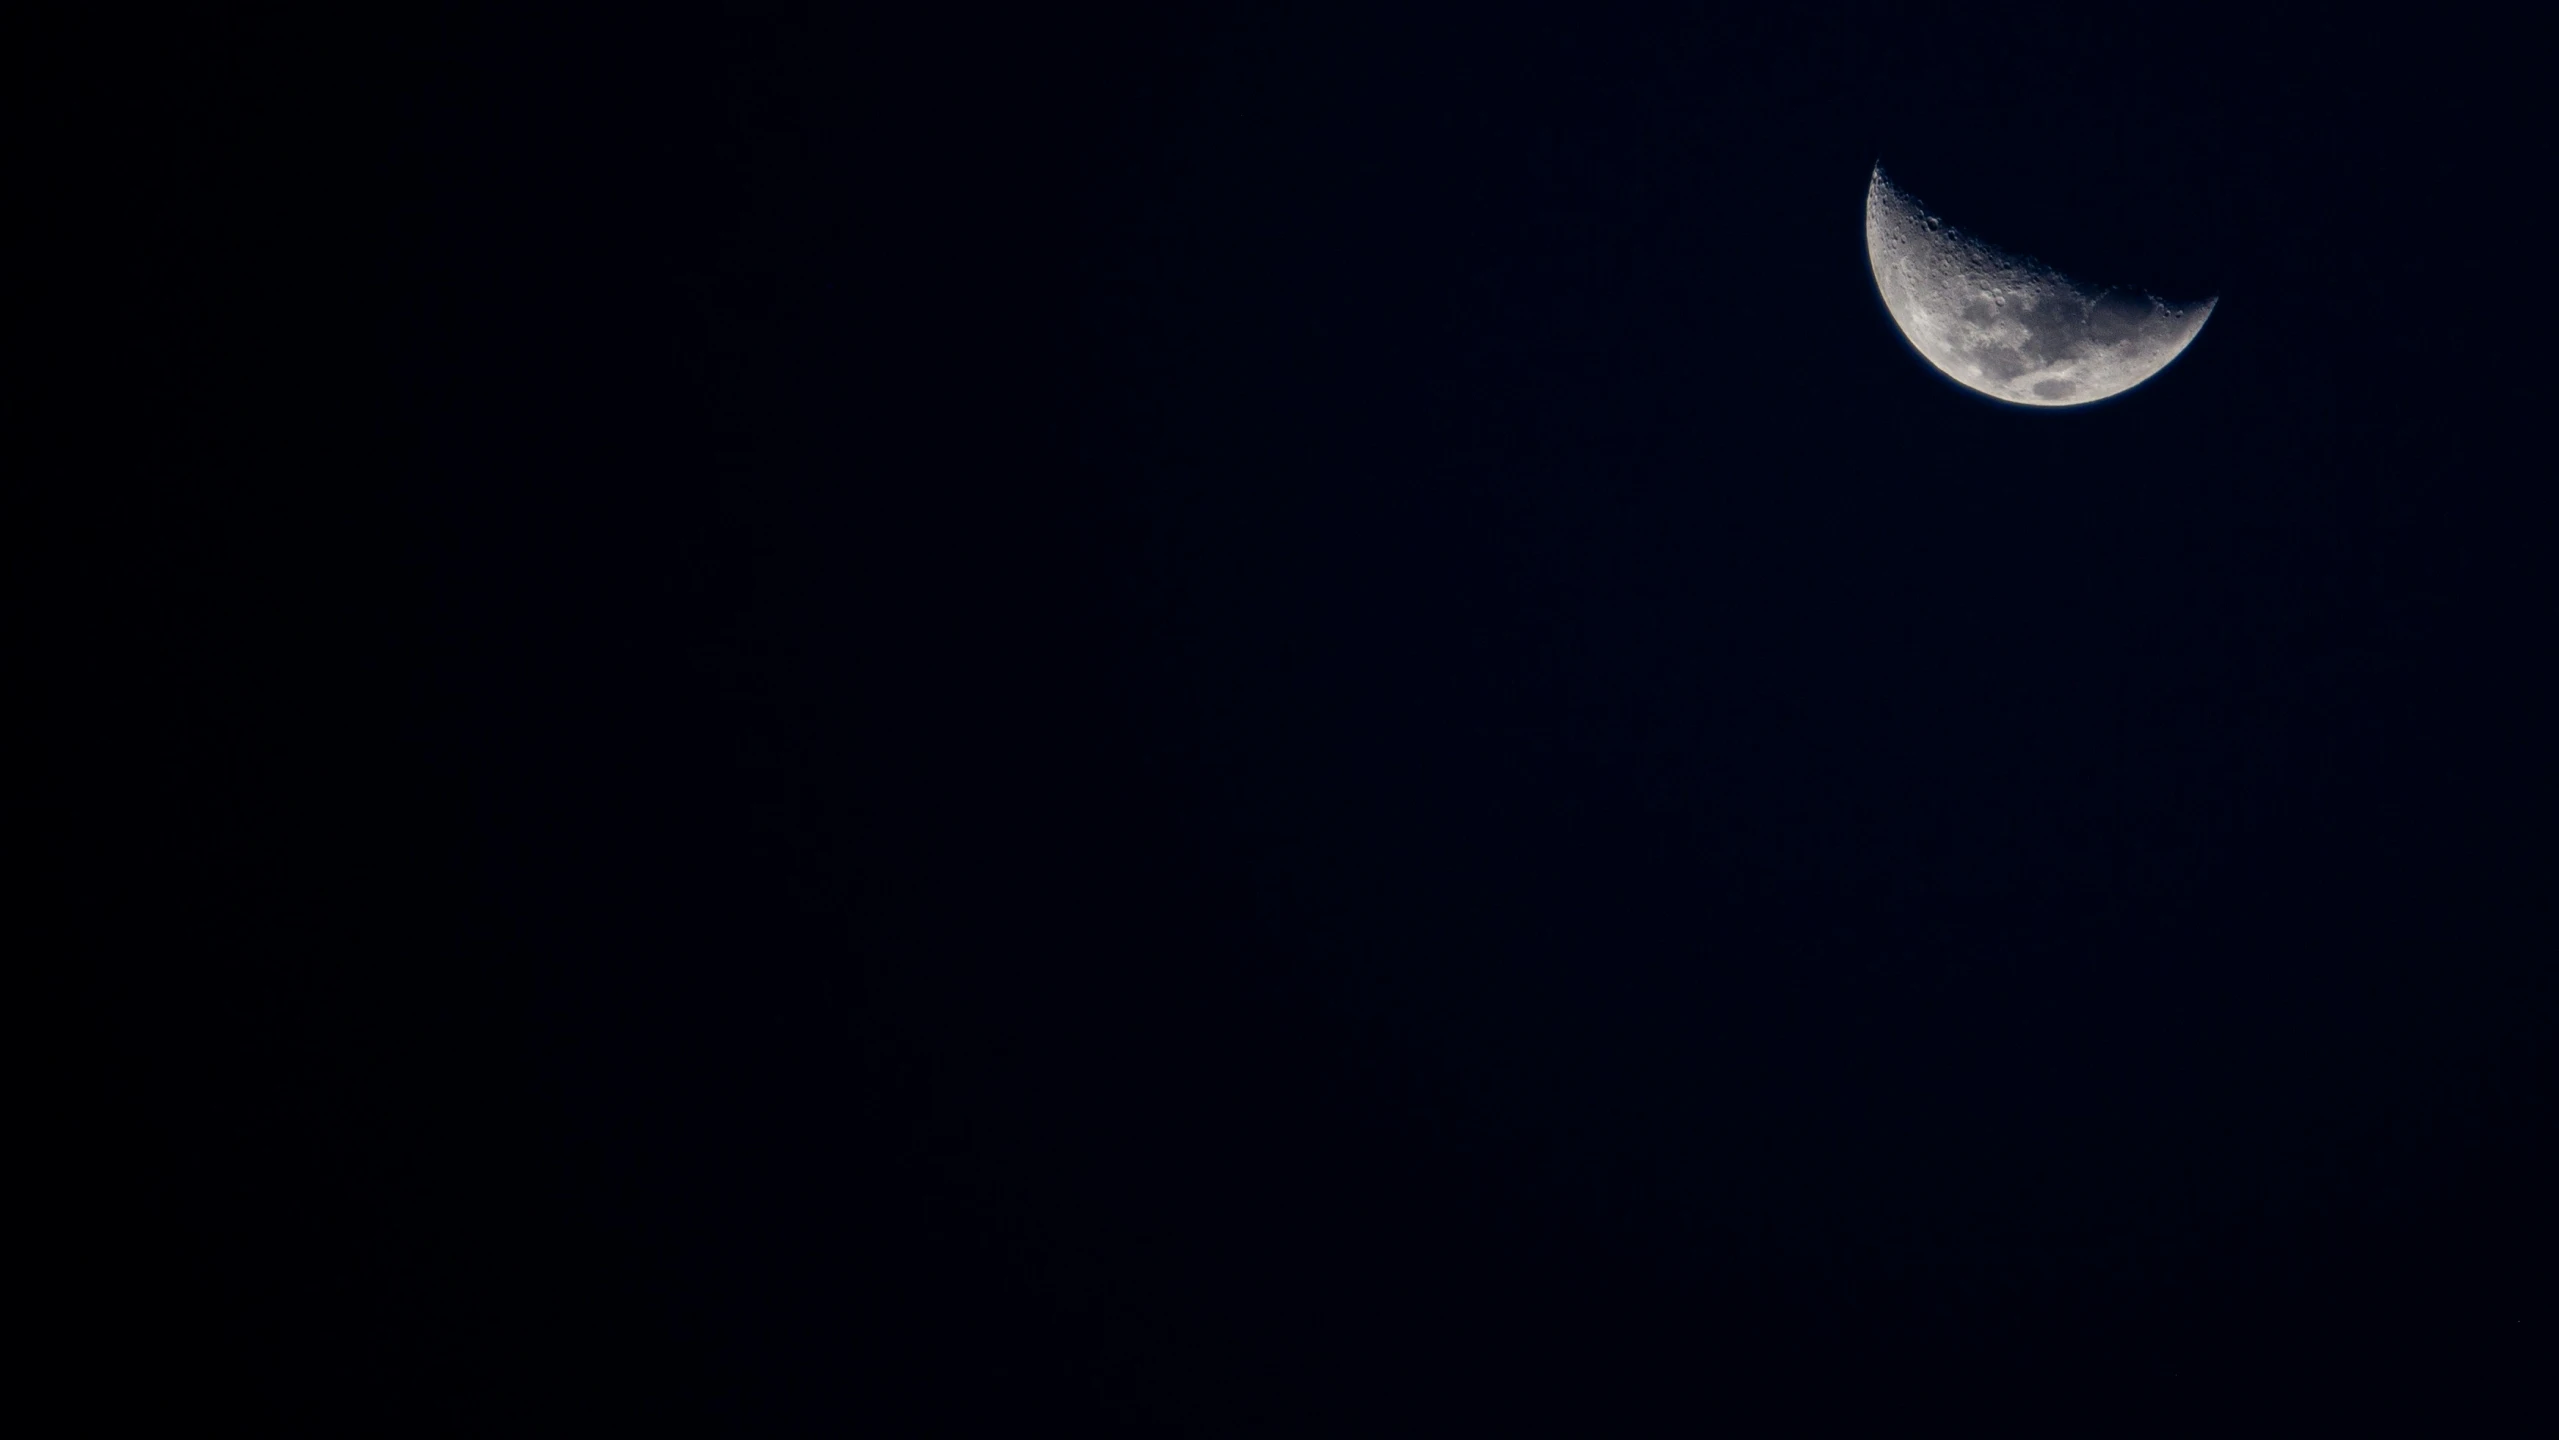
point(1234, 720)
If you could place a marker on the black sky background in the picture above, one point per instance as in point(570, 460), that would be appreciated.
point(1231, 720)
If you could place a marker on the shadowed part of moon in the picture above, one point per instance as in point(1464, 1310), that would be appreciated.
point(2008, 326)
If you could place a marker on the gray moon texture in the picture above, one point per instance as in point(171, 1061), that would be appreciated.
point(2008, 326)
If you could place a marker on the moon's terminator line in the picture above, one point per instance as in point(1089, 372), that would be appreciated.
point(2008, 326)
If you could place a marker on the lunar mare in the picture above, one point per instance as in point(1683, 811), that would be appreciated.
point(2008, 326)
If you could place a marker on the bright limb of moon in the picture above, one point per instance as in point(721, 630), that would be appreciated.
point(2007, 326)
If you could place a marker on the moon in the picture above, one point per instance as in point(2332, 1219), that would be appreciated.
point(2008, 326)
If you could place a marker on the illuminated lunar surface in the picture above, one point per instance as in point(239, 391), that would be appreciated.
point(2007, 326)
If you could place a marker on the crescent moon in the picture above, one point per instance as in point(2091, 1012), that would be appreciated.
point(2008, 326)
